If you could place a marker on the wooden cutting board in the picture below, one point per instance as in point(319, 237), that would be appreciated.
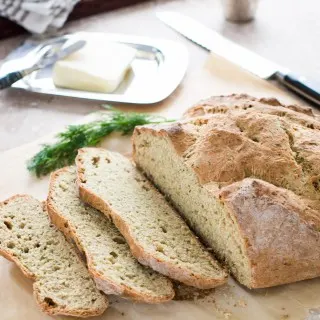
point(231, 301)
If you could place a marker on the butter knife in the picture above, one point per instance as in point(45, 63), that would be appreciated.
point(263, 68)
point(48, 55)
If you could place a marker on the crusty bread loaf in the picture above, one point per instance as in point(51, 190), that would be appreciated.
point(265, 228)
point(108, 255)
point(156, 234)
point(62, 282)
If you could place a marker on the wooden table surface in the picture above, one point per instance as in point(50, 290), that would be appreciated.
point(286, 31)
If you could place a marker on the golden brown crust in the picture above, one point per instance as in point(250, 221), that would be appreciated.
point(11, 258)
point(230, 146)
point(281, 232)
point(53, 311)
point(137, 250)
point(239, 102)
point(113, 288)
point(227, 139)
point(56, 310)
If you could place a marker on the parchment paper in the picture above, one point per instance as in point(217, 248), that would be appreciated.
point(231, 301)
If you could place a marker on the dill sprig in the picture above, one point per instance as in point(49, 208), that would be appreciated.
point(64, 150)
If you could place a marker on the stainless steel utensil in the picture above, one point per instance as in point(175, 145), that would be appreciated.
point(263, 68)
point(156, 71)
point(47, 55)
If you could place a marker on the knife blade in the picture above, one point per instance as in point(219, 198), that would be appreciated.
point(261, 67)
point(59, 53)
point(48, 55)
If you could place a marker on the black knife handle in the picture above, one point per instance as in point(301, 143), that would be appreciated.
point(306, 89)
point(12, 77)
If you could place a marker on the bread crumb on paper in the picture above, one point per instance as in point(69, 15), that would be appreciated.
point(241, 303)
point(187, 293)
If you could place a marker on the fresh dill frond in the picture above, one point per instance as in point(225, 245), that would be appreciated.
point(64, 151)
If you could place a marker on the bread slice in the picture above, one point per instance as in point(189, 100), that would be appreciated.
point(244, 173)
point(62, 282)
point(108, 255)
point(156, 234)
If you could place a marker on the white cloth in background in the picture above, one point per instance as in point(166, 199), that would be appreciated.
point(37, 15)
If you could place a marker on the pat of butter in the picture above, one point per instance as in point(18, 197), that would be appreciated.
point(97, 67)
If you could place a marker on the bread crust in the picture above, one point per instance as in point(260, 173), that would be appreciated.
point(238, 102)
point(281, 234)
point(137, 250)
point(227, 139)
point(103, 283)
point(56, 310)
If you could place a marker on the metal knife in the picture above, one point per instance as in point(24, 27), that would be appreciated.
point(48, 55)
point(263, 68)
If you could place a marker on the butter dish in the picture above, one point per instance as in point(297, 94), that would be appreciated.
point(156, 70)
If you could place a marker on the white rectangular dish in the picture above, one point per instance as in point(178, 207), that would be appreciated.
point(156, 70)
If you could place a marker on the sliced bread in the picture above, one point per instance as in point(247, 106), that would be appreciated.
point(108, 255)
point(244, 173)
point(156, 234)
point(62, 282)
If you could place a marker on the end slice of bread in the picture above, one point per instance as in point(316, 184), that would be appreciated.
point(156, 234)
point(108, 255)
point(62, 283)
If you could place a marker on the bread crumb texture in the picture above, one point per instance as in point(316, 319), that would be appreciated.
point(244, 173)
point(156, 234)
point(108, 255)
point(62, 282)
point(188, 293)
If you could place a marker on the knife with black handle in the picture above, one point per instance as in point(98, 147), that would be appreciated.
point(301, 86)
point(51, 54)
point(12, 77)
point(263, 68)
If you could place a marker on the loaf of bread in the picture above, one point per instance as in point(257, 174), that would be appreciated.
point(107, 253)
point(156, 234)
point(62, 284)
point(245, 174)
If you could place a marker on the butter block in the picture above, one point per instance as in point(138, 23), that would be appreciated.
point(97, 67)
